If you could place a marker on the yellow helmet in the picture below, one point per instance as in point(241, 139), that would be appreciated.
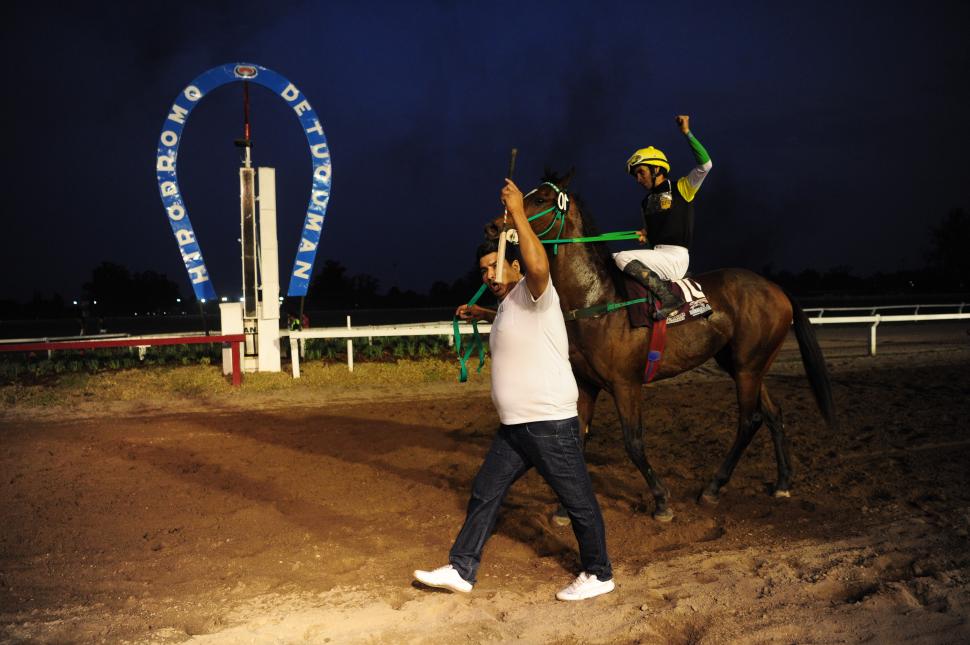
point(650, 156)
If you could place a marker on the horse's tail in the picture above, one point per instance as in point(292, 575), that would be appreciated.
point(814, 362)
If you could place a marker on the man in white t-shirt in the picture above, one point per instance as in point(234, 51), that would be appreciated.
point(535, 393)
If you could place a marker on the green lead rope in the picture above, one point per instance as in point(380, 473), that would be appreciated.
point(476, 341)
point(605, 237)
point(599, 310)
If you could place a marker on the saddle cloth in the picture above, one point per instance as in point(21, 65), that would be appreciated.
point(695, 302)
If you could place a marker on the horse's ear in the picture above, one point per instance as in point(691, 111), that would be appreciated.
point(564, 182)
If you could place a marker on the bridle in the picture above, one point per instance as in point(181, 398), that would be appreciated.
point(559, 210)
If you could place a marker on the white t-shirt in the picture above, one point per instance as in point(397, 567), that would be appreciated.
point(531, 377)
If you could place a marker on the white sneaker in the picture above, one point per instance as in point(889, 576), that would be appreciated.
point(585, 586)
point(445, 577)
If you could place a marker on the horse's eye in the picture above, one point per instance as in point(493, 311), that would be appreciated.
point(539, 200)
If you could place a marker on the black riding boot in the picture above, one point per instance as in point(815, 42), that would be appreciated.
point(660, 288)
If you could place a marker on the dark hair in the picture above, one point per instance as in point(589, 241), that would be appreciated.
point(491, 246)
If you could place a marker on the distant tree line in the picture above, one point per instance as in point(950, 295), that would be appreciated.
point(946, 269)
point(333, 288)
point(113, 290)
point(120, 292)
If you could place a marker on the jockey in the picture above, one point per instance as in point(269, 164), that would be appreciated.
point(668, 219)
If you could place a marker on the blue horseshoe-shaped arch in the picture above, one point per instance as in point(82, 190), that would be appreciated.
point(167, 158)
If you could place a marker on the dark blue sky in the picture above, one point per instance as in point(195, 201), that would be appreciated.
point(837, 129)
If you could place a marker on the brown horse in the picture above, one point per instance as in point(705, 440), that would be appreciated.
point(751, 319)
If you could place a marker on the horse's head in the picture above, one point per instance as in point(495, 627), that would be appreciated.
point(546, 207)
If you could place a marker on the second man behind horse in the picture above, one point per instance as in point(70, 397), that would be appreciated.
point(668, 220)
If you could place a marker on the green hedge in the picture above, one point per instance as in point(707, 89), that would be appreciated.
point(15, 366)
point(378, 349)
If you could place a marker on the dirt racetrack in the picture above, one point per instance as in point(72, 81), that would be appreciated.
point(276, 520)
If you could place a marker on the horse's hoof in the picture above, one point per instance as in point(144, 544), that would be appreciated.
point(780, 492)
point(560, 520)
point(663, 516)
point(708, 499)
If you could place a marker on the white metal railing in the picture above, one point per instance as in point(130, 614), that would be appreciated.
point(874, 310)
point(878, 318)
point(445, 328)
point(874, 318)
point(375, 331)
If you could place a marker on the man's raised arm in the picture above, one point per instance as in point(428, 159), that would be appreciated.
point(533, 255)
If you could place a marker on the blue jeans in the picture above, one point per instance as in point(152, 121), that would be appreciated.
point(555, 449)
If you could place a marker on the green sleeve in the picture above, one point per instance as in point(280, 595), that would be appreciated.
point(699, 152)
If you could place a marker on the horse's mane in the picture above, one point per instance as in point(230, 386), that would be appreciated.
point(589, 229)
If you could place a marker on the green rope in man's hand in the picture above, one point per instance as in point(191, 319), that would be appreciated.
point(476, 342)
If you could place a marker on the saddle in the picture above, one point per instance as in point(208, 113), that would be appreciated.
point(641, 315)
point(695, 302)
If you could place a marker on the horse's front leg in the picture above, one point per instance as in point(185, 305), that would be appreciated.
point(585, 405)
point(628, 406)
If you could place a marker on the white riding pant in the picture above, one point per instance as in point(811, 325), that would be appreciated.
point(668, 261)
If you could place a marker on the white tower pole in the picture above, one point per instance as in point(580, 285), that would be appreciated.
point(269, 306)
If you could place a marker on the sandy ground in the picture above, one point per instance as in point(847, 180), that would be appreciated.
point(278, 521)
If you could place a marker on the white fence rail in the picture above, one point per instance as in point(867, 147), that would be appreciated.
point(817, 316)
point(959, 307)
point(375, 331)
point(874, 319)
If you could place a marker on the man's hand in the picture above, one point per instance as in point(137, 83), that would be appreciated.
point(512, 198)
point(643, 235)
point(683, 121)
point(474, 312)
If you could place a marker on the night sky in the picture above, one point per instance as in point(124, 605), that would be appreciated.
point(837, 129)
